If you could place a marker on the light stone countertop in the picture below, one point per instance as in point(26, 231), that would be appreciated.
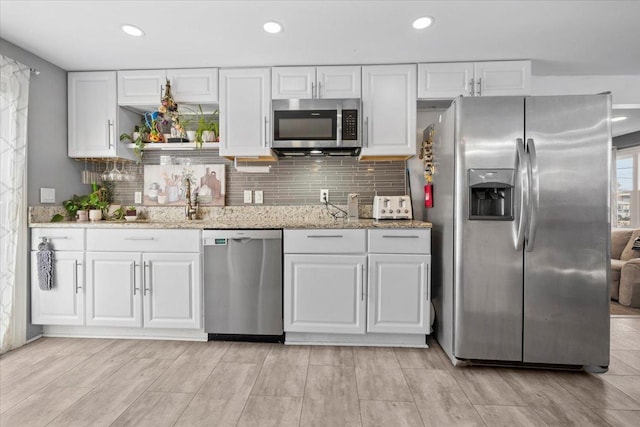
point(233, 217)
point(202, 224)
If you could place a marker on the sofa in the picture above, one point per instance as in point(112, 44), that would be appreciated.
point(625, 267)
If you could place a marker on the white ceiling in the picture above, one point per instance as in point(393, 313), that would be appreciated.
point(560, 37)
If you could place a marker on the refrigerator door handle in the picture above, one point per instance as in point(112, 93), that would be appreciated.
point(534, 181)
point(523, 172)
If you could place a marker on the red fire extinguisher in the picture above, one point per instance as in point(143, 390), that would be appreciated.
point(428, 195)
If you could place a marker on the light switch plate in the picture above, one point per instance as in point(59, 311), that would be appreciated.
point(258, 197)
point(137, 197)
point(247, 196)
point(47, 195)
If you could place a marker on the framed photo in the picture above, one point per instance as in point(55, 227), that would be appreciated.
point(165, 185)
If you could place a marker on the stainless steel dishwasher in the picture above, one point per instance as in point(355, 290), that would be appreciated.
point(243, 284)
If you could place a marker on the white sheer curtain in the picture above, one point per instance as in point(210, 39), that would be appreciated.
point(14, 101)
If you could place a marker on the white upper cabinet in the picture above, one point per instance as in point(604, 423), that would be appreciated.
point(293, 82)
point(141, 87)
point(245, 113)
point(389, 111)
point(144, 88)
point(502, 78)
point(194, 86)
point(339, 82)
point(445, 80)
point(94, 118)
point(492, 78)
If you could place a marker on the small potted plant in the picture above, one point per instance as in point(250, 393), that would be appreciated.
point(207, 129)
point(76, 207)
point(130, 213)
point(98, 202)
point(138, 137)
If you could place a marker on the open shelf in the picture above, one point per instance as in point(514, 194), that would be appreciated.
point(166, 146)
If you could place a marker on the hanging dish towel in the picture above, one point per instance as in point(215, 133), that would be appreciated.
point(45, 265)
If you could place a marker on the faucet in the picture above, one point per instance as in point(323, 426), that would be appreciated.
point(191, 212)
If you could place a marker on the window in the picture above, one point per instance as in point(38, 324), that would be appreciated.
point(626, 188)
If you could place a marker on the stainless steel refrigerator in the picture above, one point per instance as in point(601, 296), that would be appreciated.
point(521, 230)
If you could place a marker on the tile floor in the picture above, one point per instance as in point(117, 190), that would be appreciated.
point(81, 382)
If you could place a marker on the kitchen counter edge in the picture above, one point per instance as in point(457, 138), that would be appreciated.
point(213, 224)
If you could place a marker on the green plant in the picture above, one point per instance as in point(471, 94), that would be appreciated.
point(205, 124)
point(75, 204)
point(119, 213)
point(139, 141)
point(99, 198)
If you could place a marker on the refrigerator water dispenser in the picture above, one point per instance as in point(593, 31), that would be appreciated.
point(491, 194)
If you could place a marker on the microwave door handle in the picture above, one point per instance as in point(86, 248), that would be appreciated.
point(338, 127)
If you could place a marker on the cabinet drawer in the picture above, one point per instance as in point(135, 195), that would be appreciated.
point(400, 241)
point(145, 240)
point(63, 239)
point(334, 241)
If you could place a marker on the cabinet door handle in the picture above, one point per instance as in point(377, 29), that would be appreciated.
point(362, 283)
point(266, 132)
point(110, 133)
point(479, 84)
point(325, 236)
point(313, 90)
point(471, 87)
point(366, 131)
point(75, 276)
point(139, 238)
point(146, 278)
point(133, 272)
point(391, 236)
point(54, 237)
point(319, 90)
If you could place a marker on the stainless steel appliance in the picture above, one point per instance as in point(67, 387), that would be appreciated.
point(521, 230)
point(392, 207)
point(243, 282)
point(316, 127)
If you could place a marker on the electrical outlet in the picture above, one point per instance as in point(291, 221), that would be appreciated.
point(324, 196)
point(47, 195)
point(258, 197)
point(248, 198)
point(137, 197)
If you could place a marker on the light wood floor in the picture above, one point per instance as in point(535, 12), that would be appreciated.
point(69, 382)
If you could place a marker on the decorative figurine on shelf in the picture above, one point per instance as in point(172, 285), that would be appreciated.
point(168, 114)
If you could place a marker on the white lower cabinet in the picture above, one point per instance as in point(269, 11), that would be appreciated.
point(63, 304)
point(324, 293)
point(374, 283)
point(144, 278)
point(398, 293)
point(114, 289)
point(171, 291)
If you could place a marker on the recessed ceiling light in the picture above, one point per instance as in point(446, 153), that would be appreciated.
point(272, 27)
point(132, 30)
point(619, 119)
point(422, 23)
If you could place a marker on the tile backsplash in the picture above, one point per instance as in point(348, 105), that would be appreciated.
point(290, 181)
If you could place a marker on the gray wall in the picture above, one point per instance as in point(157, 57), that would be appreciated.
point(47, 161)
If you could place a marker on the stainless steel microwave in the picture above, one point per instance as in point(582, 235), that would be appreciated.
point(316, 127)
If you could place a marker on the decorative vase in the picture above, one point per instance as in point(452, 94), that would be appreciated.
point(82, 216)
point(191, 135)
point(208, 136)
point(95, 214)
